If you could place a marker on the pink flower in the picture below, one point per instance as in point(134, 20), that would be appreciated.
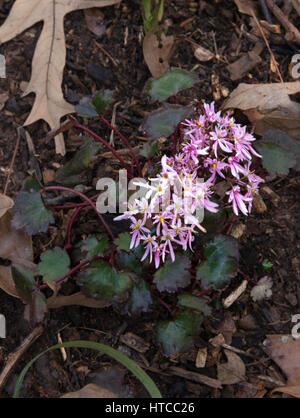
point(151, 244)
point(238, 200)
point(137, 227)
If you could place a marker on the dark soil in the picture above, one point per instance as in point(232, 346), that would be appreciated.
point(272, 235)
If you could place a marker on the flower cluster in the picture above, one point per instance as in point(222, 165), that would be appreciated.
point(214, 148)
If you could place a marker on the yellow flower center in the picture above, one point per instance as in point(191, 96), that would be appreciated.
point(162, 220)
point(199, 123)
point(214, 165)
point(136, 226)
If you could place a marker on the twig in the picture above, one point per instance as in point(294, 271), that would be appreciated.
point(268, 46)
point(289, 27)
point(12, 161)
point(266, 11)
point(88, 200)
point(296, 5)
point(14, 357)
point(106, 53)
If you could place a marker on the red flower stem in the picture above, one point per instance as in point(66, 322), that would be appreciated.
point(246, 276)
point(168, 307)
point(74, 205)
point(88, 200)
point(72, 271)
point(98, 138)
point(204, 292)
point(70, 225)
point(126, 142)
point(232, 222)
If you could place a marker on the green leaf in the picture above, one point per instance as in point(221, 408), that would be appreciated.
point(123, 241)
point(173, 274)
point(163, 121)
point(86, 109)
point(109, 351)
point(31, 214)
point(170, 83)
point(54, 264)
point(94, 246)
point(176, 336)
point(91, 107)
point(103, 282)
point(267, 265)
point(193, 302)
point(131, 260)
point(285, 141)
point(24, 281)
point(149, 149)
point(140, 297)
point(35, 301)
point(102, 99)
point(276, 159)
point(221, 263)
point(69, 174)
point(31, 184)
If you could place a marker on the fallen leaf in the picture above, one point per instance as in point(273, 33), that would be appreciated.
point(233, 371)
point(135, 342)
point(6, 203)
point(285, 351)
point(3, 99)
point(16, 246)
point(95, 21)
point(268, 106)
point(245, 6)
point(289, 390)
point(50, 54)
point(203, 54)
point(245, 64)
point(91, 391)
point(78, 298)
point(157, 52)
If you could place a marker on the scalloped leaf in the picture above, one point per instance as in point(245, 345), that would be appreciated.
point(173, 275)
point(70, 173)
point(54, 264)
point(276, 159)
point(175, 337)
point(140, 298)
point(170, 83)
point(221, 263)
point(163, 121)
point(90, 107)
point(94, 246)
point(103, 282)
point(123, 241)
point(149, 149)
point(131, 261)
point(193, 302)
point(31, 214)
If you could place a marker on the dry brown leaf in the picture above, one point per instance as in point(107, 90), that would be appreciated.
point(3, 99)
point(203, 54)
point(233, 371)
point(91, 391)
point(76, 299)
point(245, 6)
point(6, 203)
point(201, 357)
point(95, 21)
point(268, 106)
point(134, 341)
point(289, 390)
point(235, 294)
point(285, 351)
point(50, 54)
point(15, 246)
point(157, 52)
